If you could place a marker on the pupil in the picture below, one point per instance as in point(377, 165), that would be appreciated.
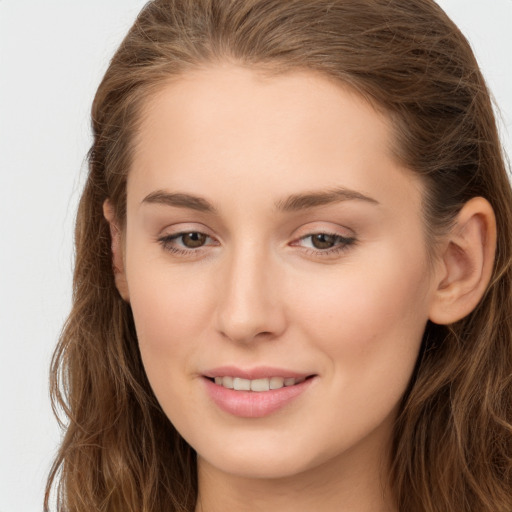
point(323, 241)
point(192, 240)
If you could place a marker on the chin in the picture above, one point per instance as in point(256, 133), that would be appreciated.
point(258, 467)
point(269, 456)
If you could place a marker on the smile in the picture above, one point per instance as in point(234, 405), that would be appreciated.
point(255, 397)
point(257, 385)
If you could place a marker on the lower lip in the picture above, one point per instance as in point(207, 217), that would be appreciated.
point(254, 404)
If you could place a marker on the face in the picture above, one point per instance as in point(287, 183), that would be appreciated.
point(274, 244)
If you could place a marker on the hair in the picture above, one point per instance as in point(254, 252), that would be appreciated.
point(452, 447)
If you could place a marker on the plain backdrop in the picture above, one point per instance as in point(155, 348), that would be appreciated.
point(52, 57)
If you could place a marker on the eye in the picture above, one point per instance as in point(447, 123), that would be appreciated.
point(324, 244)
point(192, 240)
point(323, 240)
point(186, 242)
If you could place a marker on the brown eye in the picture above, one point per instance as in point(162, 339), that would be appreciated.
point(323, 241)
point(193, 240)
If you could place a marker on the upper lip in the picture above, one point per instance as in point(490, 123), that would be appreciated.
point(259, 372)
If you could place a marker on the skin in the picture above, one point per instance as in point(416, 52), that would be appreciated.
point(255, 291)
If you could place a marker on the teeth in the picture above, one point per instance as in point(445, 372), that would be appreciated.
point(276, 382)
point(241, 384)
point(227, 382)
point(260, 385)
point(257, 385)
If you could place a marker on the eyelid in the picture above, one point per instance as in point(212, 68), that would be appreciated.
point(330, 228)
point(185, 227)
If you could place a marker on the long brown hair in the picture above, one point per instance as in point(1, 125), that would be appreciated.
point(453, 437)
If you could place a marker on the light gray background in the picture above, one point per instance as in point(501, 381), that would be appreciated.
point(52, 56)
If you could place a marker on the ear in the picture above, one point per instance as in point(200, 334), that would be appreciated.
point(466, 263)
point(117, 250)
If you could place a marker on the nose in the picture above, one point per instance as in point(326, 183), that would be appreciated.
point(249, 303)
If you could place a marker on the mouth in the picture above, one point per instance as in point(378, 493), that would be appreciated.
point(257, 385)
point(265, 393)
point(258, 391)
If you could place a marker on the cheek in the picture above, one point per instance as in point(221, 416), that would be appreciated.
point(370, 326)
point(169, 311)
point(169, 321)
point(373, 317)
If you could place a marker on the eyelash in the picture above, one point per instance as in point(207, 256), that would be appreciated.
point(344, 243)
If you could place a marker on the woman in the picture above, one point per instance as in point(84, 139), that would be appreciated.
point(292, 287)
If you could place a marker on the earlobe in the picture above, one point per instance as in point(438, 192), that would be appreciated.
point(466, 261)
point(118, 266)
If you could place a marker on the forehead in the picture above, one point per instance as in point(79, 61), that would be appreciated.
point(253, 98)
point(231, 124)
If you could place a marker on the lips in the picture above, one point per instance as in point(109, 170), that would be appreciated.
point(255, 393)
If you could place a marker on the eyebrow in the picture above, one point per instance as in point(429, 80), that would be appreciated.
point(314, 199)
point(292, 203)
point(180, 200)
